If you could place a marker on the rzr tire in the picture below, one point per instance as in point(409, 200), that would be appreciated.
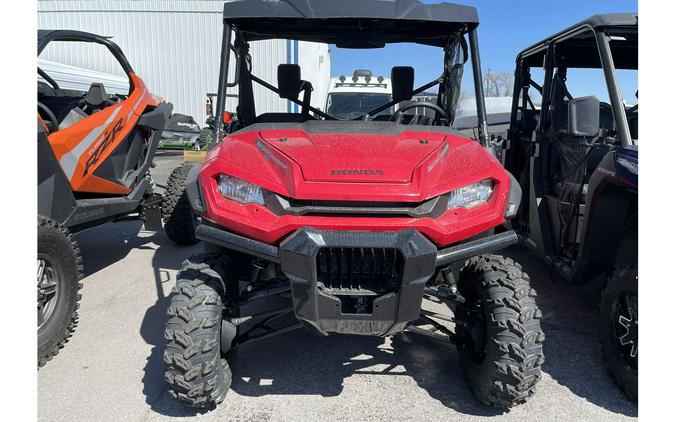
point(499, 336)
point(621, 286)
point(179, 220)
point(196, 372)
point(62, 273)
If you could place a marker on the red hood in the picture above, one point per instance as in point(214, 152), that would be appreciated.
point(354, 158)
point(402, 166)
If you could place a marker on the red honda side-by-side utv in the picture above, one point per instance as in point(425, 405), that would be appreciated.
point(354, 222)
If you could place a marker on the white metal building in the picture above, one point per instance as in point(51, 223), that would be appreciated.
point(174, 45)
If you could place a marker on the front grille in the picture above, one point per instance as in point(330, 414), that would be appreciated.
point(433, 207)
point(298, 203)
point(360, 271)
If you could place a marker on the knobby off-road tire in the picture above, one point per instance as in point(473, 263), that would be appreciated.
point(179, 220)
point(500, 339)
point(60, 264)
point(206, 137)
point(619, 318)
point(197, 374)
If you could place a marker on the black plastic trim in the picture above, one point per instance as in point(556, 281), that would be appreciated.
point(472, 248)
point(322, 310)
point(271, 253)
point(237, 243)
point(193, 190)
point(92, 212)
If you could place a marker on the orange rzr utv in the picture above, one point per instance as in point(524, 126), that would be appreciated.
point(94, 152)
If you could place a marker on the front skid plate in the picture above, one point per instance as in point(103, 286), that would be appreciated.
point(390, 312)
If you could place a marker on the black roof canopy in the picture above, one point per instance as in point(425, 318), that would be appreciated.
point(350, 23)
point(578, 47)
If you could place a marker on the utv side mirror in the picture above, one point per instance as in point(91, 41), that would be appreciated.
point(584, 117)
point(288, 80)
point(402, 82)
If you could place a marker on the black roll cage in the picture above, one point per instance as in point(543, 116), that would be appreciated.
point(240, 50)
point(47, 36)
point(523, 80)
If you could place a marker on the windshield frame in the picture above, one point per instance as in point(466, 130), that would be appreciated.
point(244, 76)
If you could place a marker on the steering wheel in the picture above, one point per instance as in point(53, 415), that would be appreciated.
point(53, 121)
point(398, 116)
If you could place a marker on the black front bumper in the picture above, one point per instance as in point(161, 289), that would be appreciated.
point(357, 282)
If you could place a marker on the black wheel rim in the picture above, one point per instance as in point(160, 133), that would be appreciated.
point(48, 291)
point(624, 320)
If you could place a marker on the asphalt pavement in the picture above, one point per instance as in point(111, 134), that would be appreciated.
point(112, 368)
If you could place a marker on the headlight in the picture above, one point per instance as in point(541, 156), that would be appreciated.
point(471, 195)
point(239, 190)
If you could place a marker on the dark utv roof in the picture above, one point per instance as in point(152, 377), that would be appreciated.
point(330, 20)
point(581, 49)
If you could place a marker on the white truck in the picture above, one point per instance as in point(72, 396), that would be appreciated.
point(351, 98)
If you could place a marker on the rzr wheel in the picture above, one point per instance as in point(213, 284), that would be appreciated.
point(197, 373)
point(179, 220)
point(58, 282)
point(499, 337)
point(619, 328)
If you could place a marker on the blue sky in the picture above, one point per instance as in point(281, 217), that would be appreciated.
point(506, 28)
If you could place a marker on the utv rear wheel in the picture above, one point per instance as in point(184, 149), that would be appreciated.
point(179, 220)
point(58, 282)
point(619, 328)
point(499, 336)
point(196, 372)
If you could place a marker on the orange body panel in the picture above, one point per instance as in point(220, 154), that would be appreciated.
point(83, 146)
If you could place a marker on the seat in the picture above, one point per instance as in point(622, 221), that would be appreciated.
point(96, 98)
point(606, 119)
point(632, 116)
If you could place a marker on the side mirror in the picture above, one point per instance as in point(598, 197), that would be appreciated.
point(289, 82)
point(402, 82)
point(584, 117)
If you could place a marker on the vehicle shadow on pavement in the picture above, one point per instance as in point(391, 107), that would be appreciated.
point(104, 245)
point(112, 242)
point(572, 349)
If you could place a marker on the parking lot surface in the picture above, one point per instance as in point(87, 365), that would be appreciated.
point(112, 368)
